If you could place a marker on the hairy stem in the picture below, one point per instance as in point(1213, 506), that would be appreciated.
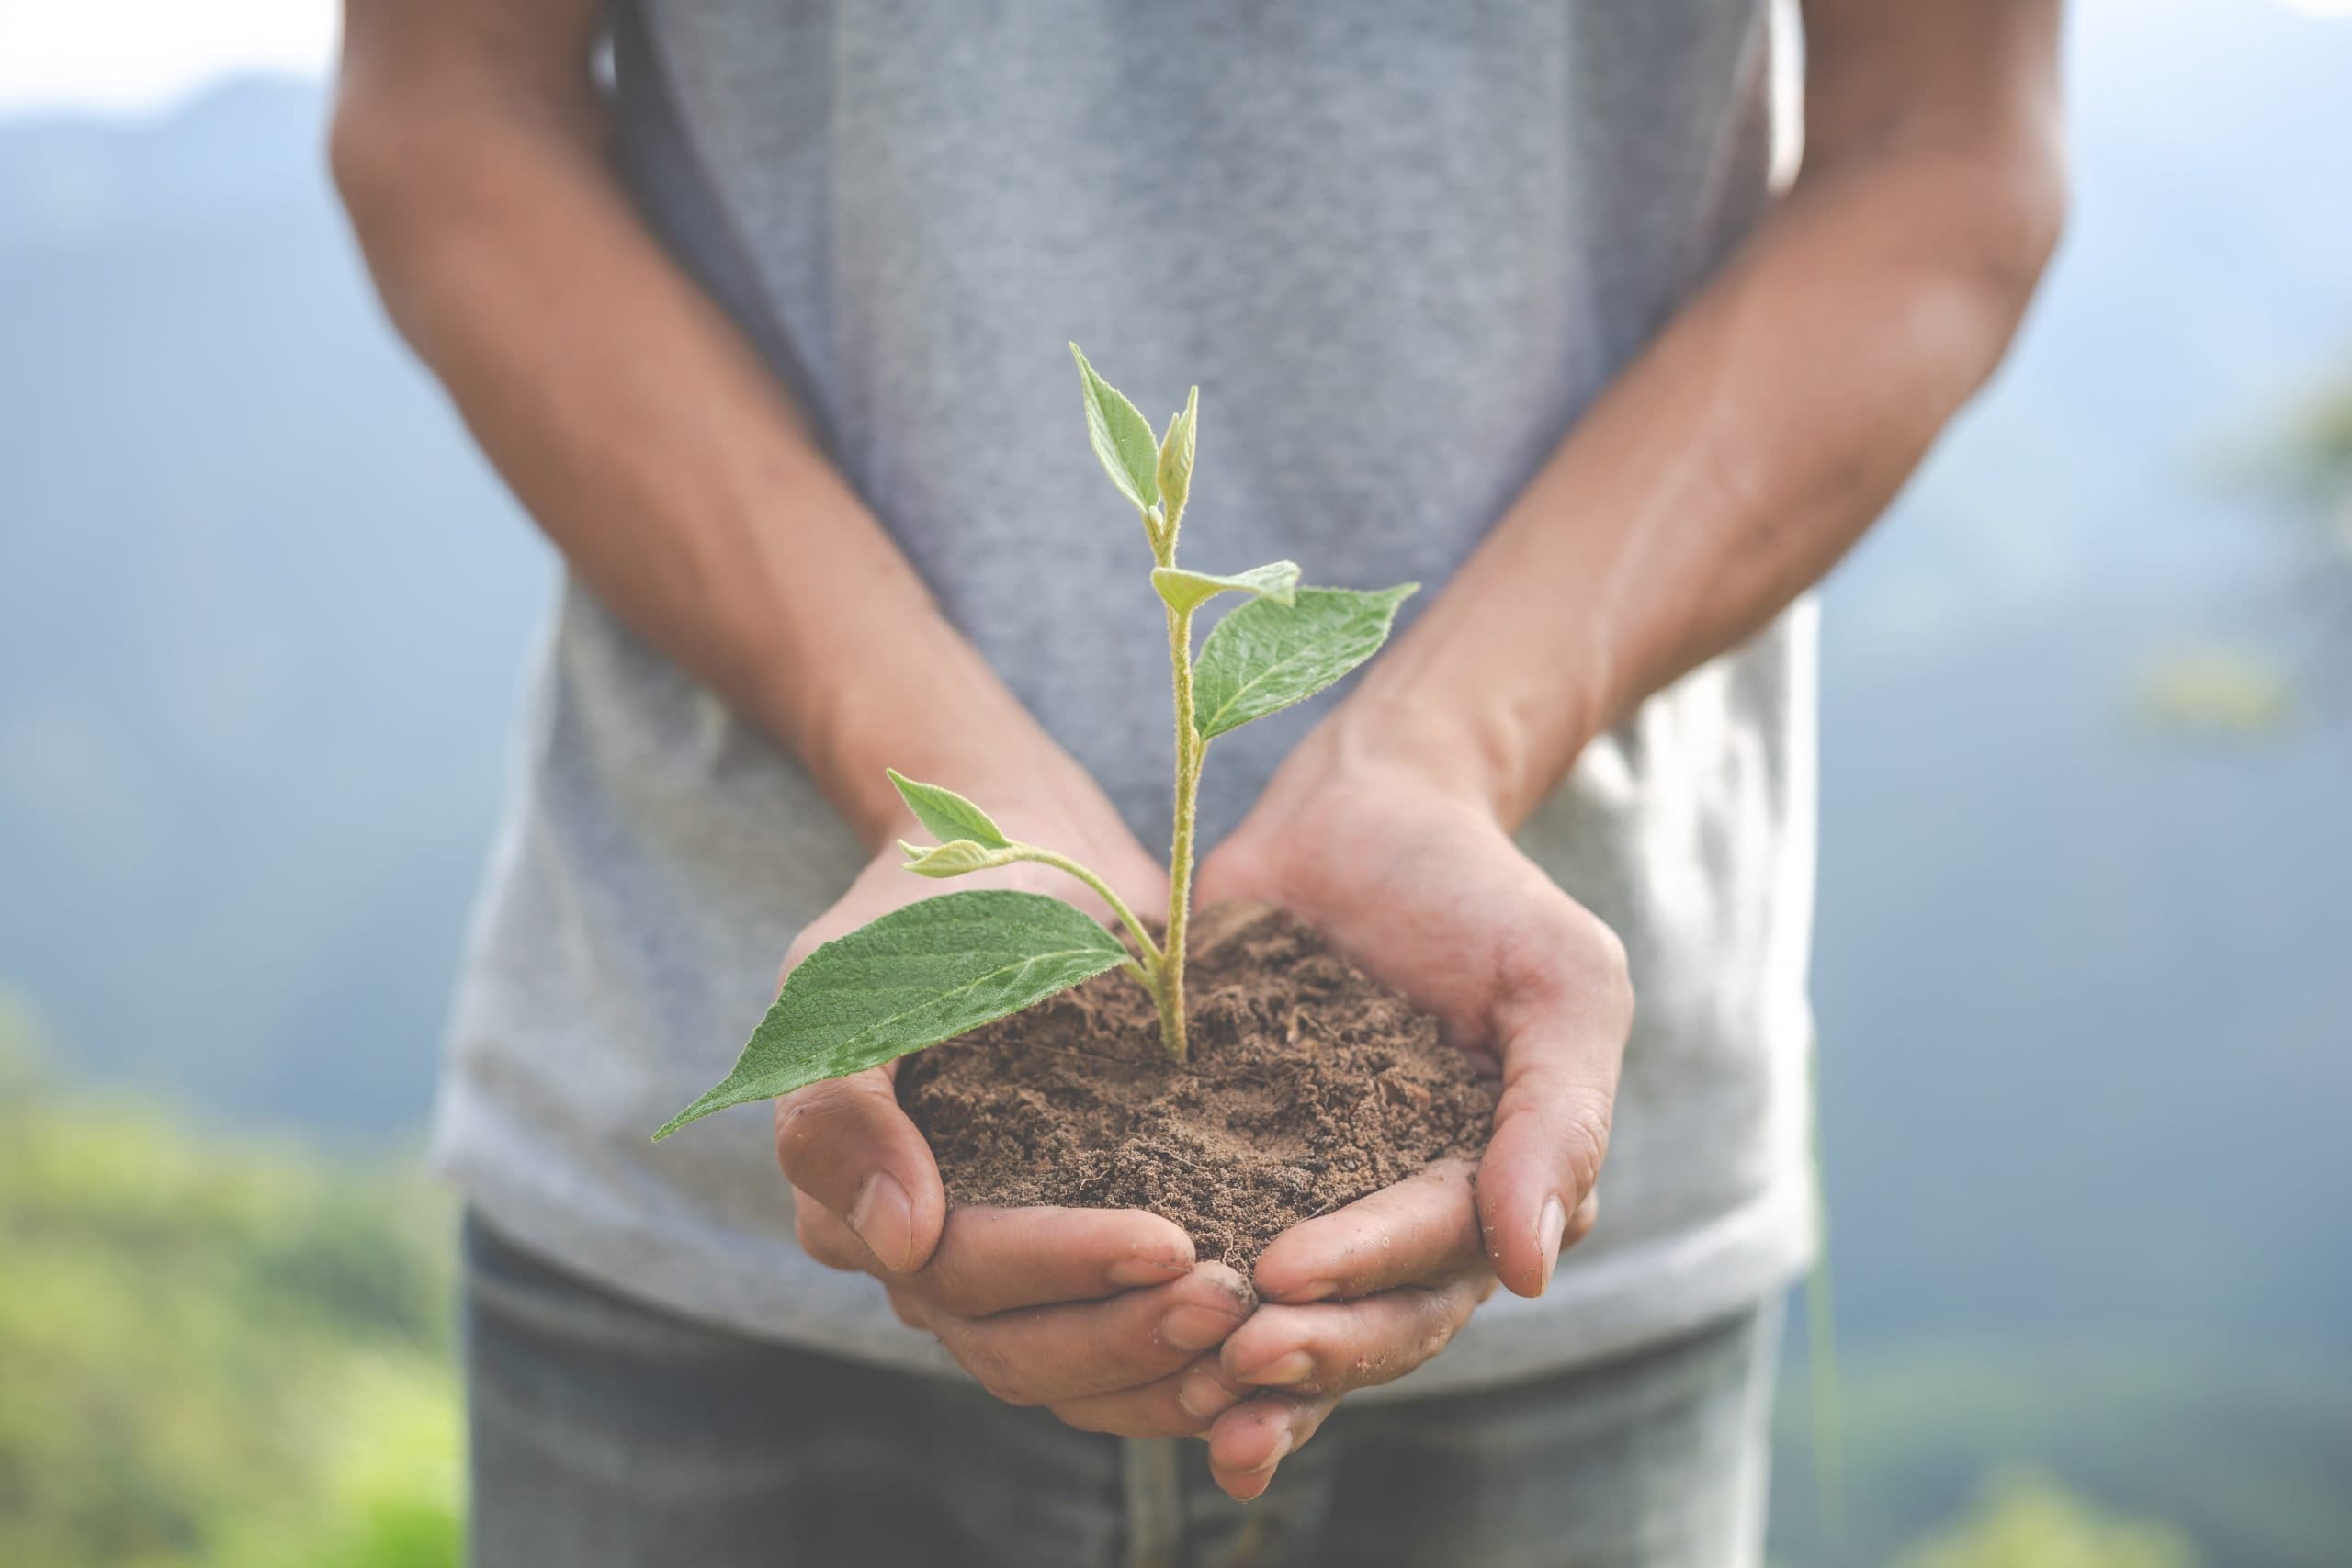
point(1190, 749)
point(1103, 891)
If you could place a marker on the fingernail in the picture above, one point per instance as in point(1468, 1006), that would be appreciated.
point(1203, 1396)
point(1145, 1271)
point(1550, 1226)
point(1284, 1370)
point(884, 1219)
point(1187, 1326)
point(1313, 1290)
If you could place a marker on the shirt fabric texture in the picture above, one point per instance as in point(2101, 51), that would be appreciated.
point(1400, 248)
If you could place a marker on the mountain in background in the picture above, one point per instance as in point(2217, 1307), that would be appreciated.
point(2083, 992)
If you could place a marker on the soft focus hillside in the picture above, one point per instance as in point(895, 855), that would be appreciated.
point(2086, 901)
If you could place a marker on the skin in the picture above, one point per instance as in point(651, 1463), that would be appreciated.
point(1724, 471)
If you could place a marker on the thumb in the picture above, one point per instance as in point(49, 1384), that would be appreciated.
point(845, 1143)
point(1560, 1060)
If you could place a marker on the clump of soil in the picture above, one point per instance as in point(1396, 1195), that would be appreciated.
point(1310, 1085)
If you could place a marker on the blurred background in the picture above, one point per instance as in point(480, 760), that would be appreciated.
point(2085, 962)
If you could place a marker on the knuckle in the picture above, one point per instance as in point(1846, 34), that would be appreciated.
point(1585, 1121)
point(997, 1372)
point(1441, 1317)
point(798, 1118)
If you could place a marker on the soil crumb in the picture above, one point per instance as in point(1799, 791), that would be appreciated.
point(1310, 1085)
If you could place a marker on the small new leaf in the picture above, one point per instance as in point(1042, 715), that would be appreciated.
point(1265, 656)
point(1176, 449)
point(918, 975)
point(948, 815)
point(1188, 590)
point(952, 858)
point(1122, 437)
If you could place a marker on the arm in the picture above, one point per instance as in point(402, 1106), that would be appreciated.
point(1727, 468)
point(655, 451)
point(1738, 459)
point(632, 420)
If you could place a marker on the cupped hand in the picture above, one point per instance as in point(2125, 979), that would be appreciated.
point(1096, 1314)
point(1422, 888)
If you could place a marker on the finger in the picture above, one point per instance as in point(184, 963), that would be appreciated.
point(1422, 1229)
point(1251, 1439)
point(1181, 1405)
point(990, 1261)
point(1051, 1355)
point(1337, 1346)
point(1562, 1036)
point(845, 1142)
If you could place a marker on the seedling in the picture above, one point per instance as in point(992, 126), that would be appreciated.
point(944, 966)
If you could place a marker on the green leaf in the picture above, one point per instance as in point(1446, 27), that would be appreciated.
point(948, 815)
point(1121, 438)
point(1176, 450)
point(918, 975)
point(1188, 590)
point(952, 858)
point(1265, 656)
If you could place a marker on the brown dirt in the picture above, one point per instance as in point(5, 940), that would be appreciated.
point(1310, 1085)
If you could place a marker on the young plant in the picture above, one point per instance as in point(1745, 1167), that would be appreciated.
point(944, 966)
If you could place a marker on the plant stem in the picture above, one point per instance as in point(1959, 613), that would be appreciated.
point(1103, 891)
point(1190, 749)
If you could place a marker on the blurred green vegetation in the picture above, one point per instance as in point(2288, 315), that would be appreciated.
point(2027, 1518)
point(219, 1355)
point(2243, 1453)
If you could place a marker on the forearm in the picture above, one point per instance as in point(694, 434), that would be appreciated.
point(661, 458)
point(1726, 471)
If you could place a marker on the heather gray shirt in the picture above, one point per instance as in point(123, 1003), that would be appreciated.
point(1400, 247)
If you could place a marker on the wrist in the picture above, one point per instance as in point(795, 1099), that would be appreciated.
point(1468, 756)
point(1468, 721)
point(936, 712)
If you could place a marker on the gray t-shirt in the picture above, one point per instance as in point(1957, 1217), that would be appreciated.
point(1400, 247)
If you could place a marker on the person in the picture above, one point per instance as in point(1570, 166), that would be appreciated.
point(761, 310)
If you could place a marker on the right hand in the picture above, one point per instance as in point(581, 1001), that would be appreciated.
point(1103, 1315)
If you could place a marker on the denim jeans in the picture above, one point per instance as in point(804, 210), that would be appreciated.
point(606, 1433)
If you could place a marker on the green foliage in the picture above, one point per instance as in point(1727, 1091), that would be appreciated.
point(1176, 452)
point(948, 815)
point(216, 1355)
point(2026, 1520)
point(920, 974)
point(1266, 655)
point(1121, 438)
point(1183, 591)
point(934, 970)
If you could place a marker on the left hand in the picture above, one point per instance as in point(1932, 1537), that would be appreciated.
point(1419, 884)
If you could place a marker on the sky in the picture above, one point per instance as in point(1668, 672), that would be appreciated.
point(140, 56)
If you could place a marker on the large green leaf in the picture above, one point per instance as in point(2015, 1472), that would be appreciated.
point(918, 975)
point(1265, 656)
point(948, 815)
point(1122, 437)
point(1185, 589)
point(1176, 451)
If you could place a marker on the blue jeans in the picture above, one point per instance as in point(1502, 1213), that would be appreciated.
point(606, 1433)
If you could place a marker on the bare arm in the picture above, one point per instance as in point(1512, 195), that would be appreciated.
point(631, 418)
point(1764, 430)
